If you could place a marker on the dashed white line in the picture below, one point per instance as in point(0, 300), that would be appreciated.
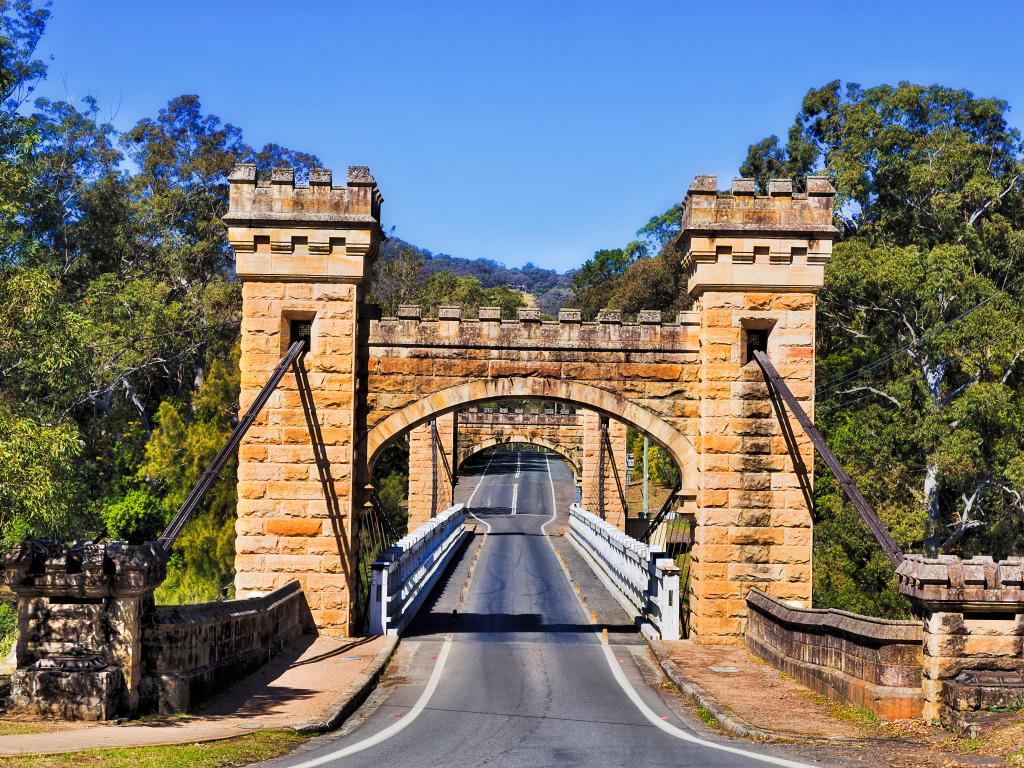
point(515, 497)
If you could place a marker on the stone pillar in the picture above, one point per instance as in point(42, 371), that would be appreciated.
point(755, 264)
point(303, 255)
point(614, 477)
point(430, 490)
point(81, 613)
point(972, 613)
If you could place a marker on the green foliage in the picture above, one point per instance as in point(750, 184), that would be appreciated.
point(38, 479)
point(8, 628)
point(136, 517)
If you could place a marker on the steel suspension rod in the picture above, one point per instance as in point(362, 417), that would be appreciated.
point(209, 476)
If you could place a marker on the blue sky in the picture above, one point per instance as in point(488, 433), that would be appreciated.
point(521, 131)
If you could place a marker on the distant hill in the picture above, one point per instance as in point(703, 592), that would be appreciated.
point(549, 288)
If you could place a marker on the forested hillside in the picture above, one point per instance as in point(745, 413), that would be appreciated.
point(119, 316)
point(550, 289)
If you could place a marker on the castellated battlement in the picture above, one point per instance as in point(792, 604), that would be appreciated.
point(317, 232)
point(737, 239)
point(411, 329)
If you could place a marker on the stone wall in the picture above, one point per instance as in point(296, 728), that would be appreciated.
point(972, 612)
point(607, 485)
point(561, 432)
point(193, 651)
point(81, 610)
point(430, 488)
point(867, 662)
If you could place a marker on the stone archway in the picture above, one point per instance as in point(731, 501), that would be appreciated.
point(519, 388)
point(469, 451)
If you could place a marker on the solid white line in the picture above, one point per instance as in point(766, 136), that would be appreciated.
point(679, 733)
point(631, 693)
point(391, 730)
point(554, 502)
point(469, 501)
point(515, 497)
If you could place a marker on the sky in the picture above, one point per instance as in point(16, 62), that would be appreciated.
point(520, 131)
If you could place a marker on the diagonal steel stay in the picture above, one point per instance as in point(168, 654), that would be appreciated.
point(863, 507)
point(665, 509)
point(615, 469)
point(209, 476)
point(439, 448)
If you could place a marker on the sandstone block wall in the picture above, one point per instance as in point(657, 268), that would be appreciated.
point(303, 254)
point(294, 524)
point(613, 478)
point(561, 432)
point(864, 661)
point(194, 651)
point(430, 488)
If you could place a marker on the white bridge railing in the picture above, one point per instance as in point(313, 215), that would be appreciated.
point(404, 573)
point(646, 579)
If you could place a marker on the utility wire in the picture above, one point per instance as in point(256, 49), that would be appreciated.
point(914, 374)
point(858, 372)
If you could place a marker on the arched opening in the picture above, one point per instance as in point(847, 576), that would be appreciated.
point(671, 458)
point(512, 441)
point(514, 388)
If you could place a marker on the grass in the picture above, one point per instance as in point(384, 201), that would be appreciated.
point(705, 716)
point(15, 728)
point(243, 750)
point(840, 710)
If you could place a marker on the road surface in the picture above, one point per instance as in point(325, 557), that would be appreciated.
point(518, 677)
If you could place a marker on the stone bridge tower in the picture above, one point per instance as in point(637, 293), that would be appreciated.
point(303, 255)
point(754, 266)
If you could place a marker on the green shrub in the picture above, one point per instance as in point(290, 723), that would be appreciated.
point(135, 517)
point(8, 628)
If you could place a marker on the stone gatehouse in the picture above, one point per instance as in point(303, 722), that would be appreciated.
point(754, 265)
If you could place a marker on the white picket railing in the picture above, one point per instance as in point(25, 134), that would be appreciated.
point(647, 579)
point(404, 573)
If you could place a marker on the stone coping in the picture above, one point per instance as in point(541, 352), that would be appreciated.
point(220, 610)
point(979, 581)
point(830, 619)
point(47, 568)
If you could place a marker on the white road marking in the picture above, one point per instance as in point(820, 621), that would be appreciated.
point(469, 501)
point(515, 497)
point(554, 502)
point(391, 730)
point(518, 455)
point(631, 693)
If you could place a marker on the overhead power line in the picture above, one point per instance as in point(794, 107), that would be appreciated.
point(858, 372)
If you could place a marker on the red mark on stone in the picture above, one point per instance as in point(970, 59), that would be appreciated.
point(622, 661)
point(434, 658)
point(664, 717)
point(399, 714)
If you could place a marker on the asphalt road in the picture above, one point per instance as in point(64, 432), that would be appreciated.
point(518, 677)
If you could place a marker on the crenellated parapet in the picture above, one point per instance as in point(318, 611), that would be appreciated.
point(947, 580)
point(319, 231)
point(738, 239)
point(609, 332)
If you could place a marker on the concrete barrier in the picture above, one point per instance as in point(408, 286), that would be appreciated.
point(405, 572)
point(644, 579)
